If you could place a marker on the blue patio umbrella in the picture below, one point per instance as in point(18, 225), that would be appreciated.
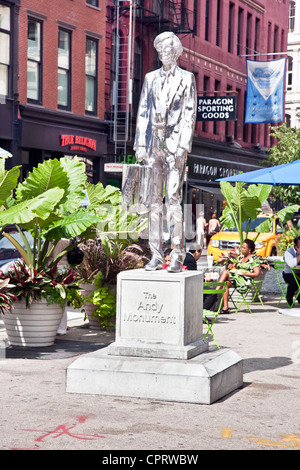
point(4, 153)
point(286, 174)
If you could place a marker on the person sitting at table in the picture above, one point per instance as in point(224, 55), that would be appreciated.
point(192, 257)
point(241, 276)
point(292, 260)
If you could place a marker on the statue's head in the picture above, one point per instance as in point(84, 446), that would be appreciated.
point(168, 47)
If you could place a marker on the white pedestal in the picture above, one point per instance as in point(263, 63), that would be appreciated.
point(159, 352)
point(202, 380)
point(159, 315)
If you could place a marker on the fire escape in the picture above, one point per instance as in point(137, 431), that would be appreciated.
point(151, 15)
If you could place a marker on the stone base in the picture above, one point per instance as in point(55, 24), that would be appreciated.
point(203, 379)
point(156, 350)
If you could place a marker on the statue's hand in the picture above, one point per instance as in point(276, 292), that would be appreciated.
point(141, 155)
point(180, 158)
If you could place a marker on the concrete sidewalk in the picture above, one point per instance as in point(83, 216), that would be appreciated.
point(37, 413)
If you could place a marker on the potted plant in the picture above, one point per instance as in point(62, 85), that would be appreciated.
point(39, 298)
point(103, 260)
point(48, 205)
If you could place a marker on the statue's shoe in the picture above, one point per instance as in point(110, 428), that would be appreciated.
point(175, 266)
point(154, 264)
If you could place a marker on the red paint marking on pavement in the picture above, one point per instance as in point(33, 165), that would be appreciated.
point(64, 430)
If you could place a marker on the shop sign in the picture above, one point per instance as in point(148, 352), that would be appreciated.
point(77, 142)
point(113, 167)
point(216, 108)
point(205, 169)
point(127, 159)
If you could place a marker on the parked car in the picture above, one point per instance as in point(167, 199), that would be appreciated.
point(8, 253)
point(266, 244)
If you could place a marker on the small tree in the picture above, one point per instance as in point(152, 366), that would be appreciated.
point(286, 150)
point(242, 205)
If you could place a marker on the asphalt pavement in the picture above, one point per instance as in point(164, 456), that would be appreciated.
point(38, 414)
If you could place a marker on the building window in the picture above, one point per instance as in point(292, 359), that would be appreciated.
point(94, 3)
point(64, 70)
point(206, 85)
point(292, 12)
point(218, 25)
point(257, 35)
point(230, 26)
point(137, 75)
point(249, 34)
point(4, 49)
point(207, 21)
point(195, 19)
point(91, 75)
point(34, 61)
point(240, 31)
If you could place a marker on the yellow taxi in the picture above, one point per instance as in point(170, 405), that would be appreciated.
point(266, 244)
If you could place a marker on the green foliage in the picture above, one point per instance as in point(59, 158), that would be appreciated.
point(48, 204)
point(103, 260)
point(287, 239)
point(25, 282)
point(286, 150)
point(284, 216)
point(106, 305)
point(6, 297)
point(242, 205)
point(108, 257)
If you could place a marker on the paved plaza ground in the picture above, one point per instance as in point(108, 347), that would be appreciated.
point(37, 413)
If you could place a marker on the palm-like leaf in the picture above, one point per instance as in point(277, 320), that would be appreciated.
point(40, 206)
point(75, 170)
point(46, 175)
point(242, 205)
point(71, 225)
point(97, 194)
point(8, 181)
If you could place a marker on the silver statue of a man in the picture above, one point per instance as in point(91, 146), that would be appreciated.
point(164, 133)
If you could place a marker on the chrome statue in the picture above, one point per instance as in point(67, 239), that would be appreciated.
point(164, 133)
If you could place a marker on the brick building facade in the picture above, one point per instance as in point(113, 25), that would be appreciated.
point(67, 86)
point(217, 35)
point(56, 81)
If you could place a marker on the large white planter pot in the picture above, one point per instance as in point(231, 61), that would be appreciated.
point(34, 327)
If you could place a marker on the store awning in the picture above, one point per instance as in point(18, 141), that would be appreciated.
point(215, 191)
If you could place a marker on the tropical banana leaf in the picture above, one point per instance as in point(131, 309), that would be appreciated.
point(75, 170)
point(26, 211)
point(261, 191)
point(8, 181)
point(97, 194)
point(47, 175)
point(71, 225)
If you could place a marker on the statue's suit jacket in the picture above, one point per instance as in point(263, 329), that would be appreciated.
point(179, 106)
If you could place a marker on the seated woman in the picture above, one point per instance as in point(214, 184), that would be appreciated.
point(241, 276)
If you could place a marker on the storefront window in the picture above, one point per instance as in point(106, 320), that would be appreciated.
point(91, 76)
point(34, 79)
point(4, 49)
point(64, 68)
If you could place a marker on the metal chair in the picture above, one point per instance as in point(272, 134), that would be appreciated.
point(210, 316)
point(242, 297)
point(279, 267)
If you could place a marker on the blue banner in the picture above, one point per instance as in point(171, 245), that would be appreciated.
point(265, 91)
